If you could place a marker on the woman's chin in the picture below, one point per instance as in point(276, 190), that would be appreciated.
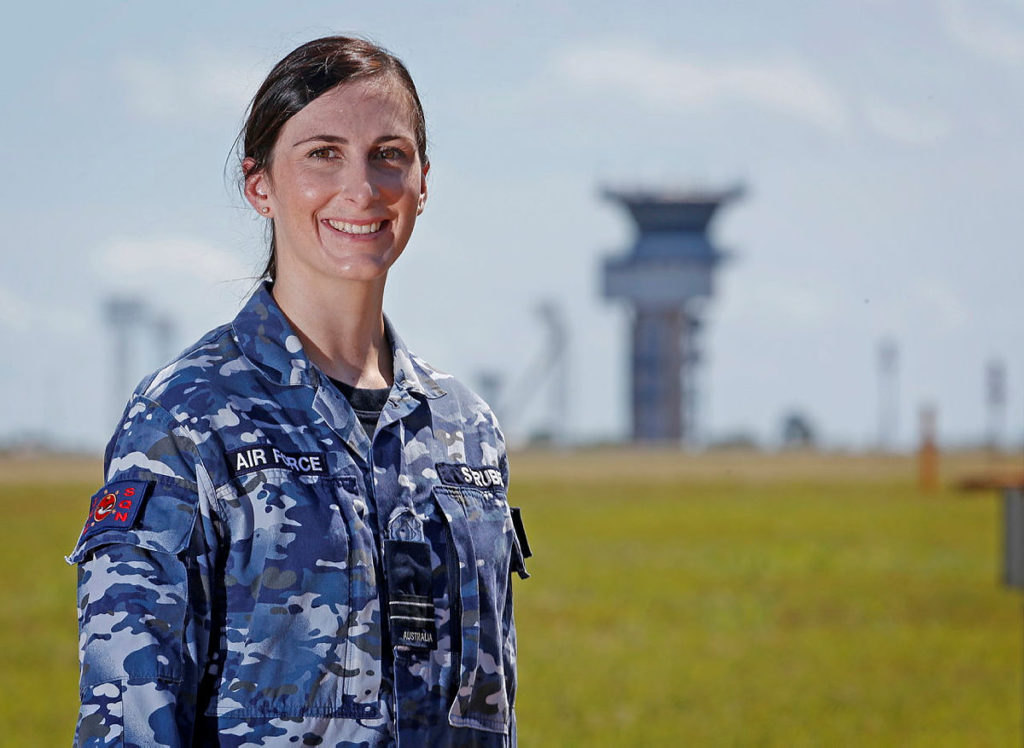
point(357, 266)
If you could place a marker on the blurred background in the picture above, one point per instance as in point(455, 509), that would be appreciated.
point(816, 206)
point(878, 143)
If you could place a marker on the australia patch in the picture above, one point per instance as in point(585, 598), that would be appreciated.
point(457, 474)
point(116, 506)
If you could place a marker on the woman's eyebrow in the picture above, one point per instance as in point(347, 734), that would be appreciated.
point(344, 141)
point(322, 138)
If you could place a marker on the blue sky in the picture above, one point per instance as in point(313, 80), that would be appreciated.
point(879, 142)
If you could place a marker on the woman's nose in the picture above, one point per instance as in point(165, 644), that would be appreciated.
point(359, 184)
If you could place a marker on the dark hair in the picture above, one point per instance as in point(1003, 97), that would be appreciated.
point(301, 76)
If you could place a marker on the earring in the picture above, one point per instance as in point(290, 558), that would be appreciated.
point(265, 209)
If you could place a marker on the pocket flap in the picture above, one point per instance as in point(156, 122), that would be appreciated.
point(156, 513)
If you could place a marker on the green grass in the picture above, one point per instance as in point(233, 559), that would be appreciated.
point(780, 614)
point(682, 609)
point(38, 630)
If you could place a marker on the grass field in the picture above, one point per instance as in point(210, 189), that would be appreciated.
point(715, 600)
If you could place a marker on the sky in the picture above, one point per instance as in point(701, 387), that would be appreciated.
point(879, 142)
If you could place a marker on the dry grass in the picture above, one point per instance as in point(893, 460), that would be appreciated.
point(59, 469)
point(738, 466)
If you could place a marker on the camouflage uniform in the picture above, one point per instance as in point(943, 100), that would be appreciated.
point(257, 572)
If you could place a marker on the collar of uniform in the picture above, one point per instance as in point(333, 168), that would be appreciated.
point(269, 342)
point(411, 372)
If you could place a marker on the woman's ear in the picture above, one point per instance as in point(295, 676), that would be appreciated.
point(423, 189)
point(257, 186)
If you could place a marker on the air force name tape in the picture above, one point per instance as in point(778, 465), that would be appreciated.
point(116, 506)
point(264, 457)
point(455, 474)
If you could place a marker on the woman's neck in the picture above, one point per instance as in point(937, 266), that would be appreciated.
point(341, 326)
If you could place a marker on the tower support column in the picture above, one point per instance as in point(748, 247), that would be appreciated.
point(657, 362)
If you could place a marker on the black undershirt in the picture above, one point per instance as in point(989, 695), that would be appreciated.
point(366, 403)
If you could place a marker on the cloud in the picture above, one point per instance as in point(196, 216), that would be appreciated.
point(785, 303)
point(938, 305)
point(927, 307)
point(180, 285)
point(19, 315)
point(141, 260)
point(904, 125)
point(188, 87)
point(14, 312)
point(995, 36)
point(674, 83)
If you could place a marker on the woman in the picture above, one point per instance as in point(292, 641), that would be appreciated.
point(304, 537)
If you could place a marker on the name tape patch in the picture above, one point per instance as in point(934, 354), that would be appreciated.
point(263, 457)
point(457, 474)
point(115, 506)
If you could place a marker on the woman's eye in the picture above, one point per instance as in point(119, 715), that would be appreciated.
point(391, 154)
point(322, 153)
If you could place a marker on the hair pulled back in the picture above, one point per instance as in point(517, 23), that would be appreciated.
point(304, 74)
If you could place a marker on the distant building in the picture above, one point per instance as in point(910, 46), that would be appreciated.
point(667, 277)
point(797, 431)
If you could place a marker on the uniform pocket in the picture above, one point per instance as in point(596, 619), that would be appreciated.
point(301, 627)
point(482, 539)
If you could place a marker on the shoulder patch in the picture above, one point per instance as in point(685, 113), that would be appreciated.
point(116, 505)
point(457, 474)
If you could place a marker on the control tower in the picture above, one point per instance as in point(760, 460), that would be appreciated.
point(667, 277)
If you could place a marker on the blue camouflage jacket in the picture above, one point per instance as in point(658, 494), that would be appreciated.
point(257, 572)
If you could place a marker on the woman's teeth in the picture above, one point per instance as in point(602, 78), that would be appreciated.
point(355, 228)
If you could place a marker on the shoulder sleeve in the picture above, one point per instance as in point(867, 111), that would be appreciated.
point(142, 559)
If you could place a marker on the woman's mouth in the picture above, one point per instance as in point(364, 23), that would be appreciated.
point(356, 228)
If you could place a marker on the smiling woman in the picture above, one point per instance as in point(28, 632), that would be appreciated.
point(308, 73)
point(344, 188)
point(309, 537)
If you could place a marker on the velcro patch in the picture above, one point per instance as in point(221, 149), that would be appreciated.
point(412, 622)
point(457, 474)
point(116, 506)
point(247, 460)
point(410, 607)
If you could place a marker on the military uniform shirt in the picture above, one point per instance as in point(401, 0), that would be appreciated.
point(256, 571)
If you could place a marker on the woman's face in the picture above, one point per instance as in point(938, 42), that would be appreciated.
point(345, 184)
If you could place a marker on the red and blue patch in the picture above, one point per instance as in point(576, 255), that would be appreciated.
point(116, 506)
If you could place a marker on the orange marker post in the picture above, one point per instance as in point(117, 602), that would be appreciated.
point(928, 453)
